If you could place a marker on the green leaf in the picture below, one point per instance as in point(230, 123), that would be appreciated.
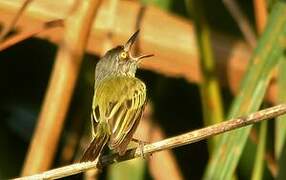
point(280, 123)
point(270, 48)
point(257, 173)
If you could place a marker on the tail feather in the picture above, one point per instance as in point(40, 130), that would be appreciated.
point(95, 147)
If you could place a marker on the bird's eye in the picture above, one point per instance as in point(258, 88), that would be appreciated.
point(123, 55)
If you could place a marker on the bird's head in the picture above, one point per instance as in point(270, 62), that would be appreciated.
point(120, 60)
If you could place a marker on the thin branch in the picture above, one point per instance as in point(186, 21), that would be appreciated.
point(62, 171)
point(242, 22)
point(173, 142)
point(25, 35)
point(10, 26)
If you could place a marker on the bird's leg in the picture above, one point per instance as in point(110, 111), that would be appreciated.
point(141, 146)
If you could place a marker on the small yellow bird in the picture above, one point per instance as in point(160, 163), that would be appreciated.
point(118, 101)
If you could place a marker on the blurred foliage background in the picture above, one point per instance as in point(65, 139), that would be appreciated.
point(177, 105)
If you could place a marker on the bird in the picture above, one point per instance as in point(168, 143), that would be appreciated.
point(118, 101)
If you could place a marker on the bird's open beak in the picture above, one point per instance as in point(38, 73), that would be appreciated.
point(144, 56)
point(130, 42)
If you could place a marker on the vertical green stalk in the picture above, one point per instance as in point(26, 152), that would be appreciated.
point(257, 173)
point(209, 87)
point(280, 123)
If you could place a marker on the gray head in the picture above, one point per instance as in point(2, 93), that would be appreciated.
point(119, 61)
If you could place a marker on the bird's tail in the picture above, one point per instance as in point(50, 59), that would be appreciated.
point(95, 147)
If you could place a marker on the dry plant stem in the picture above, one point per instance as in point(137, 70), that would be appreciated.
point(242, 21)
point(46, 136)
point(62, 171)
point(164, 161)
point(209, 87)
point(159, 163)
point(173, 142)
point(111, 11)
point(25, 35)
point(10, 26)
point(260, 10)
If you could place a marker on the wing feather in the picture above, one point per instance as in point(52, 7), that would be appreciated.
point(123, 108)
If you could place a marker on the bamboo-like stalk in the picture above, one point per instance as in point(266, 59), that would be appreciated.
point(160, 163)
point(50, 122)
point(209, 86)
point(173, 142)
point(260, 10)
point(164, 161)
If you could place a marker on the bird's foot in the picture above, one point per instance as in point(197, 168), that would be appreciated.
point(141, 146)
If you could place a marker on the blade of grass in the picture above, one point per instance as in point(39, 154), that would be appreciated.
point(257, 173)
point(259, 159)
point(280, 126)
point(270, 47)
point(209, 87)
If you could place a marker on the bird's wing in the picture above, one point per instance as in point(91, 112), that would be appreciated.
point(125, 102)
